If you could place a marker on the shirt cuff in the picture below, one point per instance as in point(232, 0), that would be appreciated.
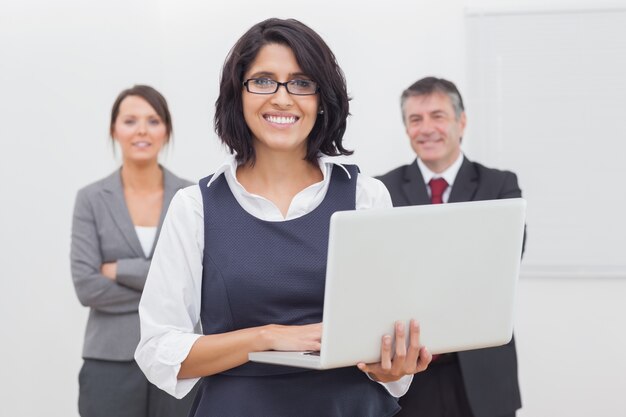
point(397, 388)
point(162, 369)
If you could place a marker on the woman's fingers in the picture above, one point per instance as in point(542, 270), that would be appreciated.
point(414, 344)
point(385, 352)
point(400, 340)
point(399, 358)
point(424, 360)
point(292, 338)
point(399, 361)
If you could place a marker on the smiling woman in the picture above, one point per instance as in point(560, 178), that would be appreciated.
point(281, 120)
point(139, 130)
point(244, 254)
point(115, 226)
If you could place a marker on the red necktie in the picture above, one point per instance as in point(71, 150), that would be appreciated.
point(437, 187)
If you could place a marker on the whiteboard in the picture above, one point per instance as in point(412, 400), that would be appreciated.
point(547, 99)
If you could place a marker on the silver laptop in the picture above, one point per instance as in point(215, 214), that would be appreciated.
point(453, 267)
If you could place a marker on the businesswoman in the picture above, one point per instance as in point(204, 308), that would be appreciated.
point(244, 253)
point(116, 224)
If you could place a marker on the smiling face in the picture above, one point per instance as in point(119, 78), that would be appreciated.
point(434, 129)
point(280, 121)
point(139, 130)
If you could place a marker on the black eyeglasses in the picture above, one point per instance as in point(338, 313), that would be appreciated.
point(269, 86)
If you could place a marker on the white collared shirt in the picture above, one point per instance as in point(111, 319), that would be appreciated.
point(449, 175)
point(170, 304)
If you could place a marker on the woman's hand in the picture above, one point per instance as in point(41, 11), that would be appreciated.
point(403, 361)
point(215, 353)
point(291, 338)
point(109, 270)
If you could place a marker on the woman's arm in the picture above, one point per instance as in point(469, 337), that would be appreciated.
point(92, 287)
point(212, 354)
point(130, 272)
point(170, 353)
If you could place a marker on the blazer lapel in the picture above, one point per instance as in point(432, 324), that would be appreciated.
point(465, 183)
point(171, 185)
point(414, 187)
point(113, 194)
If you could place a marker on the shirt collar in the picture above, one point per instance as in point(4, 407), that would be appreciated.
point(229, 165)
point(229, 168)
point(449, 174)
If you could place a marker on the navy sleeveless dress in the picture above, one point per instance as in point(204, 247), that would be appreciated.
point(258, 272)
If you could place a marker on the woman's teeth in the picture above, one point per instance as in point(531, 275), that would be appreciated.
point(283, 120)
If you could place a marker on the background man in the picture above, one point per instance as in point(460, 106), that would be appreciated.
point(477, 383)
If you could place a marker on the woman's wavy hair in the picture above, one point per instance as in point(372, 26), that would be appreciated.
point(314, 58)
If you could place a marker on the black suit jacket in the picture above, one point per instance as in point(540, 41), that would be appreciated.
point(490, 375)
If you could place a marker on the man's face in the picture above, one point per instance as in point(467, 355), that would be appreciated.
point(434, 129)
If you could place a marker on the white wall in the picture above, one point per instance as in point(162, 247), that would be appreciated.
point(545, 84)
point(570, 344)
point(61, 65)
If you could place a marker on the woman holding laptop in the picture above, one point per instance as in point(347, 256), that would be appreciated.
point(244, 253)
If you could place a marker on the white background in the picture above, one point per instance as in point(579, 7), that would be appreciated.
point(62, 64)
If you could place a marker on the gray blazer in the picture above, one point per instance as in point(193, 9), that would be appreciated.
point(102, 231)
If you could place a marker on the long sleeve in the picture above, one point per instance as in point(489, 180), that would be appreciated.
point(170, 307)
point(92, 288)
point(510, 188)
point(132, 272)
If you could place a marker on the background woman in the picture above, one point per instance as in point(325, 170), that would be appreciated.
point(245, 252)
point(115, 226)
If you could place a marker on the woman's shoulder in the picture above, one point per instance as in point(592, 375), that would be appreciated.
point(370, 183)
point(370, 191)
point(187, 198)
point(111, 181)
point(174, 179)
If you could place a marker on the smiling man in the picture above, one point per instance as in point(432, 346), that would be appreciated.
point(477, 383)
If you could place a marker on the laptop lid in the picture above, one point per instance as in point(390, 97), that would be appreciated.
point(453, 267)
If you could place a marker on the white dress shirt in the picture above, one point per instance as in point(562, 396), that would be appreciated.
point(449, 175)
point(171, 300)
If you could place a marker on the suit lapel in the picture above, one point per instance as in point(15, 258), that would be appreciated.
point(171, 185)
point(113, 194)
point(465, 183)
point(414, 187)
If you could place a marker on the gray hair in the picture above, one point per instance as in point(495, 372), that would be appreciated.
point(431, 85)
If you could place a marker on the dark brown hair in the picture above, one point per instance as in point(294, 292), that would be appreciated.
point(154, 99)
point(314, 58)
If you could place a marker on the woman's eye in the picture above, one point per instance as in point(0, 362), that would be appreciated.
point(263, 82)
point(154, 122)
point(302, 83)
point(129, 122)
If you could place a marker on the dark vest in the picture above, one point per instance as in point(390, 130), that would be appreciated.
point(258, 272)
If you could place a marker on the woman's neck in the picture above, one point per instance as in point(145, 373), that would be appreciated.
point(142, 177)
point(278, 177)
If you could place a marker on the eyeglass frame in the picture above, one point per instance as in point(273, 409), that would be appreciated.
point(278, 84)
